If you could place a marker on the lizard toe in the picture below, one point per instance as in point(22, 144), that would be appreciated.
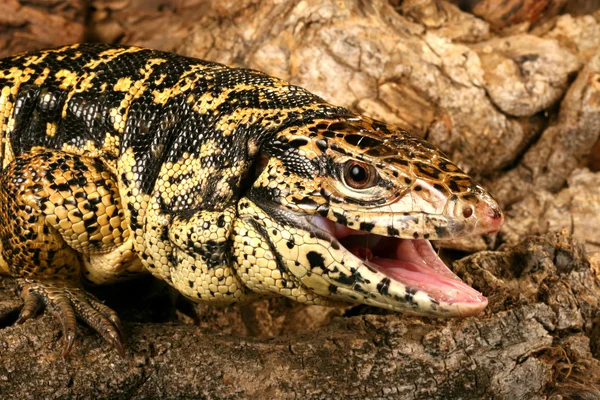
point(68, 304)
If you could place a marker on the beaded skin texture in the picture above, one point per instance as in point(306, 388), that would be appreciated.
point(227, 183)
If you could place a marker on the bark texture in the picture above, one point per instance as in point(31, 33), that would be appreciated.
point(34, 24)
point(511, 92)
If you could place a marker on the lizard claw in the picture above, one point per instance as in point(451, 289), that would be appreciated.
point(69, 303)
point(32, 305)
point(69, 340)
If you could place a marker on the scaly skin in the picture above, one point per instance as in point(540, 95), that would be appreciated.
point(227, 183)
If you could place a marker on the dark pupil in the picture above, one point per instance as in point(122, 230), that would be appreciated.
point(358, 174)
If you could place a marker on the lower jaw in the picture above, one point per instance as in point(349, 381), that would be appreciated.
point(460, 302)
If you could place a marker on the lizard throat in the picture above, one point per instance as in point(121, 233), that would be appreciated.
point(412, 262)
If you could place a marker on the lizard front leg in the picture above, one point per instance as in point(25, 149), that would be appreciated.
point(57, 210)
point(195, 255)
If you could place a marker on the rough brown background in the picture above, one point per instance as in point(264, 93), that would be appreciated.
point(510, 90)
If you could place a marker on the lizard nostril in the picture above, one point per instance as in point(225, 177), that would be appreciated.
point(467, 211)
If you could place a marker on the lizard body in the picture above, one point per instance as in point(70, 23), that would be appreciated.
point(226, 183)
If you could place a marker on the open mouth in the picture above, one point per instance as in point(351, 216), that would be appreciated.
point(412, 262)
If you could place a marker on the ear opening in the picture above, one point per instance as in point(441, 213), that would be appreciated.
point(258, 166)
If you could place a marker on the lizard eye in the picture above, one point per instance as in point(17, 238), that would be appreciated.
point(359, 175)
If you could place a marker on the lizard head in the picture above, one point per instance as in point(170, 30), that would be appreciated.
point(343, 210)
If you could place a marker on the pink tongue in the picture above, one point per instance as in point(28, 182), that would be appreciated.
point(421, 253)
point(418, 266)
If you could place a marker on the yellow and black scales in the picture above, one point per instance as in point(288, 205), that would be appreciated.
point(121, 160)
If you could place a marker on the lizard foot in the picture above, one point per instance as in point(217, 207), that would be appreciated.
point(68, 303)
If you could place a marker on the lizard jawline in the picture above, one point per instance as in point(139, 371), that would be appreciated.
point(411, 262)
